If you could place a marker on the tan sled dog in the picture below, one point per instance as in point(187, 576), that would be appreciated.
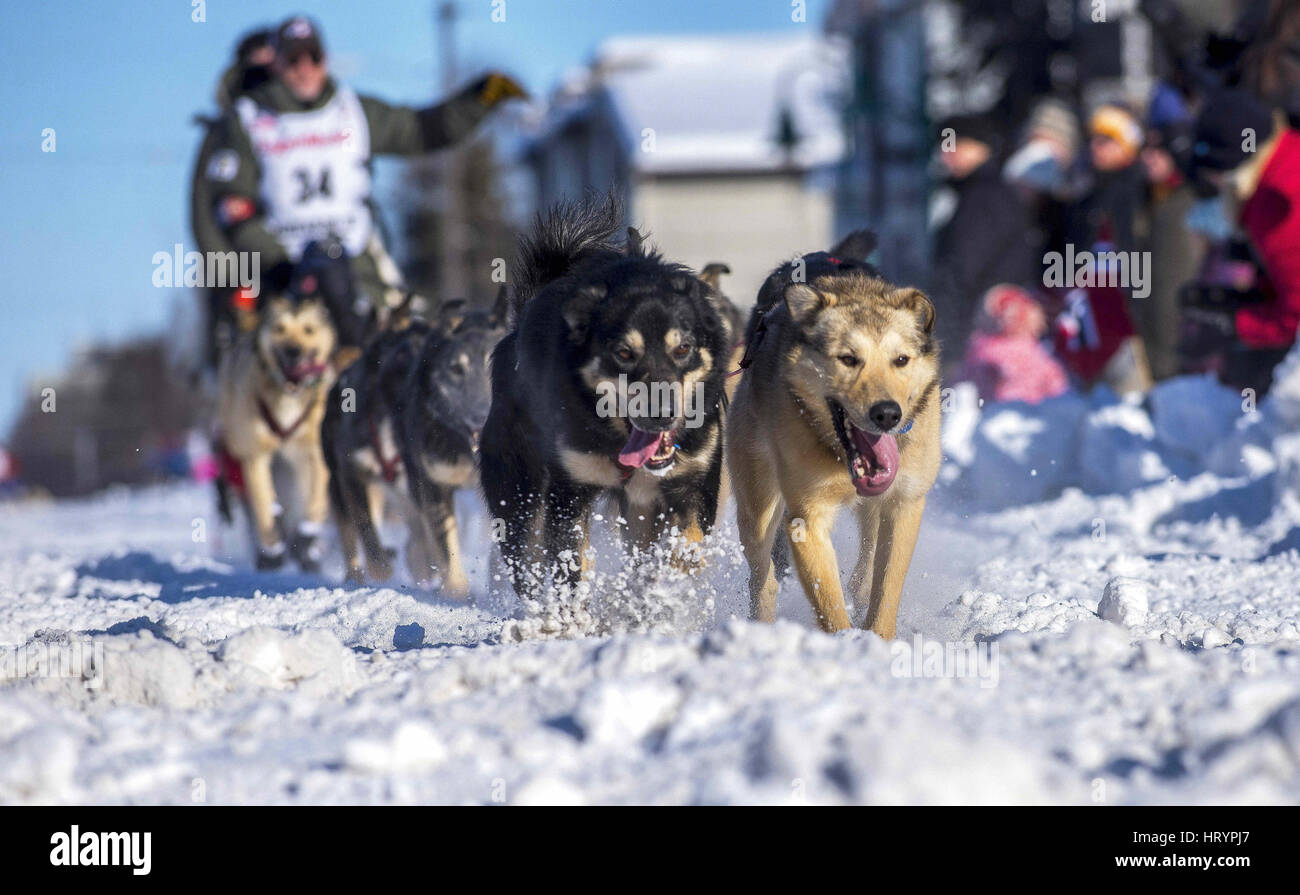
point(272, 392)
point(838, 407)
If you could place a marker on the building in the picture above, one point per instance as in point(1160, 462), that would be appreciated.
point(724, 147)
point(120, 414)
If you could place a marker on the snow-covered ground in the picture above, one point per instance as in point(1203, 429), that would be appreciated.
point(1106, 599)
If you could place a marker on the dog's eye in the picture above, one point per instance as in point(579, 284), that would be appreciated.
point(681, 351)
point(901, 360)
point(625, 355)
point(308, 330)
point(849, 360)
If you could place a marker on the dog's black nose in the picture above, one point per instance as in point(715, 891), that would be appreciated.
point(291, 352)
point(884, 415)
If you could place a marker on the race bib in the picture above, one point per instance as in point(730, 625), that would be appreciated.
point(315, 172)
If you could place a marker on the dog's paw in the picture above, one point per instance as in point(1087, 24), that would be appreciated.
point(307, 550)
point(380, 568)
point(457, 588)
point(271, 558)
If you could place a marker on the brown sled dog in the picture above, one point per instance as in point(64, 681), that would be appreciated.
point(271, 399)
point(838, 407)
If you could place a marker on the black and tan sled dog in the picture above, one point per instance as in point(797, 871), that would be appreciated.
point(403, 423)
point(610, 384)
point(838, 407)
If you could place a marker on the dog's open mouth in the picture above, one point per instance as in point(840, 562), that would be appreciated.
point(656, 452)
point(872, 459)
point(300, 371)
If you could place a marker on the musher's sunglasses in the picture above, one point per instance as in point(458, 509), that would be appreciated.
point(314, 55)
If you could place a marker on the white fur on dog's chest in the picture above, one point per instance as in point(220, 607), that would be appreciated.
point(906, 487)
point(642, 487)
point(371, 460)
point(590, 469)
point(456, 475)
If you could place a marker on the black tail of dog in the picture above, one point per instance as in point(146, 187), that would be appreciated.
point(563, 236)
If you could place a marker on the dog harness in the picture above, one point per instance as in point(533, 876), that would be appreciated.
point(284, 434)
point(388, 467)
point(761, 329)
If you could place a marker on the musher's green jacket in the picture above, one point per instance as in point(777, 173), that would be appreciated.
point(229, 167)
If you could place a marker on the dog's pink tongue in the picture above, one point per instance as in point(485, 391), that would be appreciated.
point(880, 454)
point(305, 370)
point(640, 447)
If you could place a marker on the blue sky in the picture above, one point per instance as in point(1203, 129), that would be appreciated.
point(120, 81)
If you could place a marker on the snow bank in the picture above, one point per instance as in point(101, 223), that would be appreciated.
point(1002, 455)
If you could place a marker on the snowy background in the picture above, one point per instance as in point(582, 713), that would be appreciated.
point(1131, 572)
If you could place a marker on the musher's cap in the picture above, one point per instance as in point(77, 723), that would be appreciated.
point(296, 36)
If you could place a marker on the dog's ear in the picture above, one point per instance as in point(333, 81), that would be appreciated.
point(856, 246)
point(918, 303)
point(452, 313)
point(412, 307)
point(804, 301)
point(578, 308)
point(712, 273)
point(635, 242)
point(500, 316)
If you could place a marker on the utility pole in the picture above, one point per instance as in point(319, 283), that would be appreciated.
point(447, 43)
point(453, 277)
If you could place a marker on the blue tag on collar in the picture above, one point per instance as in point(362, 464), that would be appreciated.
point(906, 429)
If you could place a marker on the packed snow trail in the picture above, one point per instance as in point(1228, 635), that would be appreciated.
point(1132, 645)
point(226, 686)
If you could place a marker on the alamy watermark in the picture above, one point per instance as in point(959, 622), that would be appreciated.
point(1071, 269)
point(641, 400)
point(79, 660)
point(221, 270)
point(945, 659)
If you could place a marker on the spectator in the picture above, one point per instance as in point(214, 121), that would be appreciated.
point(1254, 335)
point(1096, 340)
point(1096, 335)
point(1174, 250)
point(1045, 172)
point(989, 238)
point(1271, 65)
point(1045, 160)
point(1107, 215)
point(1006, 359)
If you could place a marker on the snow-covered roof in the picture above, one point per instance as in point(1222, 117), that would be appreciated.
point(714, 103)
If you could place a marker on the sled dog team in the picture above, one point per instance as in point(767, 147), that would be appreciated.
point(833, 404)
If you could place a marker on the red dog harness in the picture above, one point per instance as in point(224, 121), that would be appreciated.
point(388, 467)
point(271, 423)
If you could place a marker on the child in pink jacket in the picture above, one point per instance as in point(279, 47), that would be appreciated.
point(1005, 357)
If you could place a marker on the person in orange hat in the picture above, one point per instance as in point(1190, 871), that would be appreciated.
point(1115, 138)
point(1096, 336)
point(1108, 213)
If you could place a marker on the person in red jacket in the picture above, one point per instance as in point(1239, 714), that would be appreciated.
point(1253, 157)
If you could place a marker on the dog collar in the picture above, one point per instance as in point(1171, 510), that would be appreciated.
point(907, 428)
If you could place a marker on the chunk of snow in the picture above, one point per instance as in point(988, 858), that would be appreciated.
point(1125, 601)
